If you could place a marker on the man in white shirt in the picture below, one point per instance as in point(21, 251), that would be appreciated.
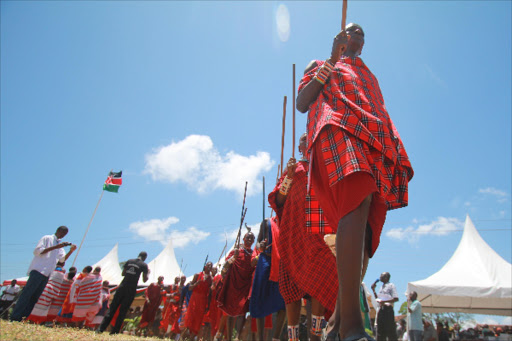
point(8, 297)
point(386, 326)
point(48, 251)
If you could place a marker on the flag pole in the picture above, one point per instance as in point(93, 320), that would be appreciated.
point(93, 214)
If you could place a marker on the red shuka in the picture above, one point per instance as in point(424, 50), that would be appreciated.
point(198, 301)
point(233, 298)
point(154, 297)
point(306, 258)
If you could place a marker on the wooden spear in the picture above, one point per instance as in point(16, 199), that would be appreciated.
point(263, 197)
point(282, 135)
point(344, 15)
point(293, 143)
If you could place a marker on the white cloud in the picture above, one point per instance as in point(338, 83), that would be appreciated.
point(493, 191)
point(196, 162)
point(501, 196)
point(191, 235)
point(440, 227)
point(156, 230)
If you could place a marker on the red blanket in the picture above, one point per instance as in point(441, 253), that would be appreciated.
point(233, 298)
point(153, 299)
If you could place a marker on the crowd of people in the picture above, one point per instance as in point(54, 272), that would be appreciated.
point(353, 169)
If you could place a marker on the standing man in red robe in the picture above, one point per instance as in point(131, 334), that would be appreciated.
point(307, 266)
point(213, 315)
point(153, 298)
point(196, 309)
point(234, 296)
point(359, 167)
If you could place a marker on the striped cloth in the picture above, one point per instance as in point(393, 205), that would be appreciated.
point(52, 298)
point(88, 298)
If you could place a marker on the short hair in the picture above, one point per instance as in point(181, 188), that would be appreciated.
point(87, 269)
point(97, 269)
point(63, 228)
point(106, 283)
point(143, 255)
point(72, 269)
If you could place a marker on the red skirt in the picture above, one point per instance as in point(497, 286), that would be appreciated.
point(346, 195)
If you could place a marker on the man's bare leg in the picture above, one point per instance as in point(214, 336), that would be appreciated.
point(293, 314)
point(318, 311)
point(350, 240)
point(278, 328)
point(333, 325)
point(229, 326)
point(260, 325)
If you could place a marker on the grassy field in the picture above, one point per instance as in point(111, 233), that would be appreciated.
point(31, 332)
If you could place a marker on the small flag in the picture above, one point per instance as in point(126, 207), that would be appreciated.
point(113, 182)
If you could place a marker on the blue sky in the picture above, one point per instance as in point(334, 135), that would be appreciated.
point(186, 99)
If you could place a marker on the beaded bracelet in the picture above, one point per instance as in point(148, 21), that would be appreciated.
point(285, 186)
point(324, 72)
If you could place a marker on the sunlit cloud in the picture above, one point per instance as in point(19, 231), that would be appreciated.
point(156, 230)
point(197, 163)
point(501, 196)
point(440, 227)
point(283, 22)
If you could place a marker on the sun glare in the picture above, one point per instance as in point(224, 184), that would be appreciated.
point(283, 23)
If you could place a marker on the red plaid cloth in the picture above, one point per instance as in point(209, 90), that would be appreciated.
point(351, 99)
point(304, 256)
point(287, 287)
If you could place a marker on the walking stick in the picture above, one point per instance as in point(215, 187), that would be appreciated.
point(344, 15)
point(293, 104)
point(282, 135)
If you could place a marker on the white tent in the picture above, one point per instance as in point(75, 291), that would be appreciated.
point(110, 269)
point(164, 264)
point(475, 280)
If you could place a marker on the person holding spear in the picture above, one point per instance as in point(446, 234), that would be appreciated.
point(198, 303)
point(359, 166)
point(233, 297)
point(307, 265)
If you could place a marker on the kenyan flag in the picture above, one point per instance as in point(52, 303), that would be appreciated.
point(113, 182)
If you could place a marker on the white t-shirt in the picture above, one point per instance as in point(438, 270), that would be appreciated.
point(387, 292)
point(45, 263)
point(10, 292)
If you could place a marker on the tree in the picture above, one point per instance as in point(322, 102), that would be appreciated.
point(451, 318)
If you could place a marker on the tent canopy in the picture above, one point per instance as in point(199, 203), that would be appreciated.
point(164, 264)
point(110, 269)
point(475, 280)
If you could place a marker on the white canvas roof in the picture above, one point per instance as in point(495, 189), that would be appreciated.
point(475, 280)
point(110, 269)
point(164, 264)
